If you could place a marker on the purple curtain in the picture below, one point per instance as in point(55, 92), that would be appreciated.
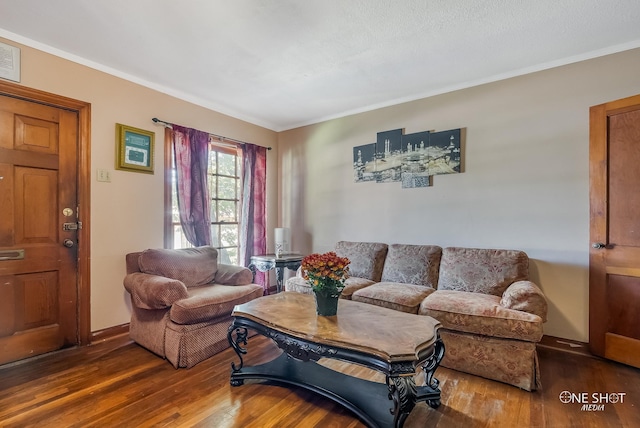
point(191, 151)
point(253, 235)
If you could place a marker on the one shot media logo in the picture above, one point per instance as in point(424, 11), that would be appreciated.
point(592, 401)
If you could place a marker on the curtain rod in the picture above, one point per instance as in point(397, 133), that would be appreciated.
point(169, 125)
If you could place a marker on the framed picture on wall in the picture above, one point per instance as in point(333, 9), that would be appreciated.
point(134, 149)
point(9, 62)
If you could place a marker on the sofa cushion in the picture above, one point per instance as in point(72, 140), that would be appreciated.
point(233, 275)
point(480, 314)
point(351, 285)
point(485, 271)
point(412, 264)
point(212, 301)
point(298, 284)
point(192, 266)
point(394, 295)
point(367, 258)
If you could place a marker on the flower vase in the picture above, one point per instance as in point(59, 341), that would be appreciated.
point(327, 304)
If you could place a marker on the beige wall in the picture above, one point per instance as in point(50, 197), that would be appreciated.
point(127, 213)
point(525, 183)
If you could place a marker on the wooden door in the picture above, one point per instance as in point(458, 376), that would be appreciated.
point(39, 216)
point(614, 262)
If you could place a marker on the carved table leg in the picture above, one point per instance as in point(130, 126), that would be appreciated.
point(279, 278)
point(402, 390)
point(429, 367)
point(240, 338)
point(252, 268)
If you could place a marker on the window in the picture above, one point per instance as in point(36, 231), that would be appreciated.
point(224, 189)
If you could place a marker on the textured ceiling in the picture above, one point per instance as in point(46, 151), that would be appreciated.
point(286, 63)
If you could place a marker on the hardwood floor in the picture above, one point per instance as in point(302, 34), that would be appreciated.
point(116, 383)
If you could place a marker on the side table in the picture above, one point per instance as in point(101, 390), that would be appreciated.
point(266, 262)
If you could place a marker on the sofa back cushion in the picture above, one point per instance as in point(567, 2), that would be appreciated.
point(412, 264)
point(132, 262)
point(367, 258)
point(487, 271)
point(192, 266)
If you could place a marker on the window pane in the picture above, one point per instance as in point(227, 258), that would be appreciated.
point(179, 240)
point(214, 211)
point(213, 166)
point(213, 190)
point(226, 164)
point(175, 213)
point(227, 211)
point(228, 235)
point(230, 254)
point(226, 188)
point(215, 236)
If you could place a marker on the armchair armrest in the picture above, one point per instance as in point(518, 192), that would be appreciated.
point(233, 275)
point(153, 291)
point(527, 297)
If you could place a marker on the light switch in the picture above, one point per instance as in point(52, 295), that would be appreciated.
point(103, 175)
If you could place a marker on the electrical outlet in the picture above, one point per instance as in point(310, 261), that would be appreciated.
point(104, 175)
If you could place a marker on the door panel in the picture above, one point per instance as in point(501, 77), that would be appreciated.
point(614, 262)
point(624, 161)
point(36, 135)
point(623, 289)
point(36, 300)
point(36, 192)
point(6, 201)
point(7, 305)
point(38, 274)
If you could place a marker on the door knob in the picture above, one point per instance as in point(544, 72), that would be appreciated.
point(67, 243)
point(598, 245)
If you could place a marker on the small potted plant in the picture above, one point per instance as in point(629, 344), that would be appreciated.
point(326, 274)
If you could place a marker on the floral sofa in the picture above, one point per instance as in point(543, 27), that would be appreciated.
point(491, 314)
point(182, 301)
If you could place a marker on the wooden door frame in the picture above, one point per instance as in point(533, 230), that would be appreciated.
point(83, 109)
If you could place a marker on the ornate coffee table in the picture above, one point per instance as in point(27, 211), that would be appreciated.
point(389, 341)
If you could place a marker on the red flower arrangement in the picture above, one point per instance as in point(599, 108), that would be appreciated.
point(326, 272)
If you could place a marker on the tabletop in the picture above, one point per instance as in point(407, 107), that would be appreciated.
point(391, 335)
point(281, 258)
